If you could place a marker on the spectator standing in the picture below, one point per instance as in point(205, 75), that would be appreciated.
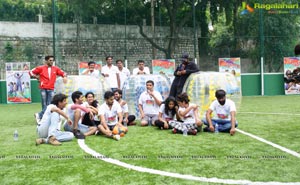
point(181, 73)
point(124, 73)
point(91, 71)
point(111, 74)
point(46, 75)
point(141, 69)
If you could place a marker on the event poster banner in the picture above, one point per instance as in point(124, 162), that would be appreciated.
point(231, 65)
point(18, 82)
point(163, 66)
point(83, 66)
point(291, 83)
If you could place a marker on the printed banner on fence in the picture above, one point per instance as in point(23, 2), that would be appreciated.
point(163, 66)
point(18, 82)
point(233, 66)
point(83, 67)
point(291, 75)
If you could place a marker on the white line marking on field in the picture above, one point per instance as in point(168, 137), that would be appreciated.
point(97, 155)
point(270, 113)
point(270, 143)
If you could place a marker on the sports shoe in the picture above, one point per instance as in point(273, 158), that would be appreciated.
point(132, 124)
point(39, 141)
point(116, 137)
point(97, 133)
point(78, 134)
point(174, 131)
point(37, 118)
point(206, 129)
point(192, 132)
point(53, 141)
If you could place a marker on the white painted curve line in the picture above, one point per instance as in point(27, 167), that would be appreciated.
point(270, 113)
point(270, 143)
point(97, 155)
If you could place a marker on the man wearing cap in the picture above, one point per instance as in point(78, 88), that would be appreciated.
point(182, 72)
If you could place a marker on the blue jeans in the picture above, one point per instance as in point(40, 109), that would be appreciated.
point(52, 128)
point(46, 96)
point(224, 125)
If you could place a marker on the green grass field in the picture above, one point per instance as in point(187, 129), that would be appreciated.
point(207, 155)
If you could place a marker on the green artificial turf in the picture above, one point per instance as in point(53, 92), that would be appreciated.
point(222, 156)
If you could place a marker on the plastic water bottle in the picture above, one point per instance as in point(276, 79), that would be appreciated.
point(216, 128)
point(149, 121)
point(125, 123)
point(16, 135)
point(185, 131)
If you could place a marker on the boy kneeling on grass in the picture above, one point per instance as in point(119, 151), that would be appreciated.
point(49, 127)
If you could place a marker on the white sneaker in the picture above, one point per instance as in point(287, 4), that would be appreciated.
point(37, 118)
point(116, 137)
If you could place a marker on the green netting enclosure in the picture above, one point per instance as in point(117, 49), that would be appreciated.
point(259, 32)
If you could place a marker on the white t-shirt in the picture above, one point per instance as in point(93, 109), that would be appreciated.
point(95, 73)
point(189, 117)
point(222, 111)
point(71, 112)
point(136, 70)
point(86, 104)
point(112, 75)
point(164, 115)
point(124, 108)
point(124, 74)
point(47, 114)
point(148, 103)
point(110, 115)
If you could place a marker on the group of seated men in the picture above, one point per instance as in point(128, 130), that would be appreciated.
point(85, 118)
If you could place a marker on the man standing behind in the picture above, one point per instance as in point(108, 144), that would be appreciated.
point(141, 69)
point(124, 73)
point(91, 71)
point(111, 74)
point(181, 73)
point(224, 114)
point(46, 75)
point(149, 103)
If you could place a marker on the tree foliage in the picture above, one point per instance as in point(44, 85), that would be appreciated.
point(234, 35)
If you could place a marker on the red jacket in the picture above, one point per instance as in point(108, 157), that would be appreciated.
point(45, 81)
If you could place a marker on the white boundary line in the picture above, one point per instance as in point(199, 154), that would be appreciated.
point(270, 143)
point(271, 113)
point(83, 146)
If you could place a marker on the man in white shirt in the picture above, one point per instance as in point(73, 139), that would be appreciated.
point(127, 119)
point(224, 114)
point(49, 127)
point(111, 74)
point(91, 71)
point(149, 103)
point(110, 113)
point(141, 69)
point(124, 73)
point(75, 112)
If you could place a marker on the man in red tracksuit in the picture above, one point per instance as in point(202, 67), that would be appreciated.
point(46, 74)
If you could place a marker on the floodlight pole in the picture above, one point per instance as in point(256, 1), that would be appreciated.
point(125, 22)
point(194, 29)
point(53, 28)
point(261, 38)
